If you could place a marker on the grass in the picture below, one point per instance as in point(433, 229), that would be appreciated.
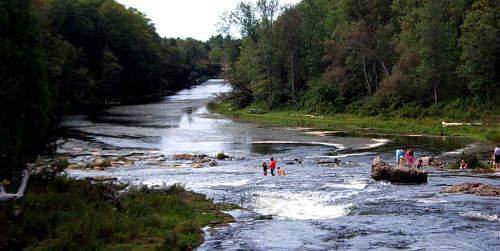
point(431, 126)
point(68, 214)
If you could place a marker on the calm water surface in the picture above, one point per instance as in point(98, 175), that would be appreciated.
point(312, 207)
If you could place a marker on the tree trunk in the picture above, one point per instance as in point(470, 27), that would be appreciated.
point(366, 76)
point(20, 192)
point(435, 90)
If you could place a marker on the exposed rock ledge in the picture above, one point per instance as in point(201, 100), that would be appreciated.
point(401, 173)
point(474, 188)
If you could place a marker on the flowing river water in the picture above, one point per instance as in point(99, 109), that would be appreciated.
point(314, 206)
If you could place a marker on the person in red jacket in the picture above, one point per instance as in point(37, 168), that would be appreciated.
point(272, 165)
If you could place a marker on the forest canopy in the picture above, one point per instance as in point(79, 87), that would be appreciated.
point(61, 56)
point(408, 58)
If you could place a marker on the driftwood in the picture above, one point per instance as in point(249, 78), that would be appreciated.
point(454, 124)
point(20, 192)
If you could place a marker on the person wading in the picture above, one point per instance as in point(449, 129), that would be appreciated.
point(272, 165)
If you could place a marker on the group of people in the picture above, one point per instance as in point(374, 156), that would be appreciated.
point(400, 158)
point(401, 154)
point(272, 166)
point(496, 160)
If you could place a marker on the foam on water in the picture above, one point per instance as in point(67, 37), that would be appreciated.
point(431, 201)
point(216, 184)
point(350, 185)
point(480, 216)
point(300, 206)
point(378, 142)
point(342, 155)
point(339, 146)
point(458, 151)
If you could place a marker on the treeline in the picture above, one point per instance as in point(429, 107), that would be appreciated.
point(98, 51)
point(411, 58)
point(60, 56)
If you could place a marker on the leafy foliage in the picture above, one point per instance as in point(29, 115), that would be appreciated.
point(405, 58)
point(26, 118)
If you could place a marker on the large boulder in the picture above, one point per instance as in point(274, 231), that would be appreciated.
point(475, 188)
point(401, 173)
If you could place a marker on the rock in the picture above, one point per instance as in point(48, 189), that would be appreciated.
point(213, 163)
point(401, 173)
point(102, 162)
point(427, 160)
point(101, 178)
point(334, 161)
point(474, 188)
point(196, 165)
point(73, 167)
point(204, 160)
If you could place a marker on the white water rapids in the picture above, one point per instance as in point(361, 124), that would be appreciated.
point(314, 206)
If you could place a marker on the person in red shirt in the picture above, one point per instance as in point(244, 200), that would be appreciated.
point(272, 165)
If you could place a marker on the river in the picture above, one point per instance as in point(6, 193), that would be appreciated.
point(312, 207)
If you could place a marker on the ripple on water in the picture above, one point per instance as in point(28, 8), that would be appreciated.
point(293, 205)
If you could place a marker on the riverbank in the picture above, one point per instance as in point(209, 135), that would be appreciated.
point(484, 136)
point(426, 126)
point(63, 213)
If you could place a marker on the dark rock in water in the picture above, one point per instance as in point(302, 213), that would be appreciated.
point(265, 217)
point(401, 173)
point(101, 178)
point(334, 161)
point(474, 188)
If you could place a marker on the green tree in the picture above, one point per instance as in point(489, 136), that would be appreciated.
point(480, 43)
point(433, 44)
point(288, 33)
point(25, 116)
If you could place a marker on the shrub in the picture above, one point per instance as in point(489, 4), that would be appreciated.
point(471, 159)
point(221, 156)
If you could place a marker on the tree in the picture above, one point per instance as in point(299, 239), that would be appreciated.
point(479, 43)
point(25, 116)
point(433, 44)
point(289, 35)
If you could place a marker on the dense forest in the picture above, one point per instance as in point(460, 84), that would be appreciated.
point(389, 58)
point(403, 58)
point(65, 56)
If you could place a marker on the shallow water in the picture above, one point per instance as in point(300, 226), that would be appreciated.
point(312, 207)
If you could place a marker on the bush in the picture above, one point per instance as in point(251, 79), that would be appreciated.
point(471, 159)
point(66, 214)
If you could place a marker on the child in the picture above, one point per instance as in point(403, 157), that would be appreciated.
point(419, 164)
point(409, 156)
point(463, 165)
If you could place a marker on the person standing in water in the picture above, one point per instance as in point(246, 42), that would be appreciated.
point(399, 155)
point(272, 165)
point(281, 172)
point(496, 158)
point(409, 156)
point(264, 167)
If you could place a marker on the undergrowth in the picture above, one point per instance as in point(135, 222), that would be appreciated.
point(69, 214)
